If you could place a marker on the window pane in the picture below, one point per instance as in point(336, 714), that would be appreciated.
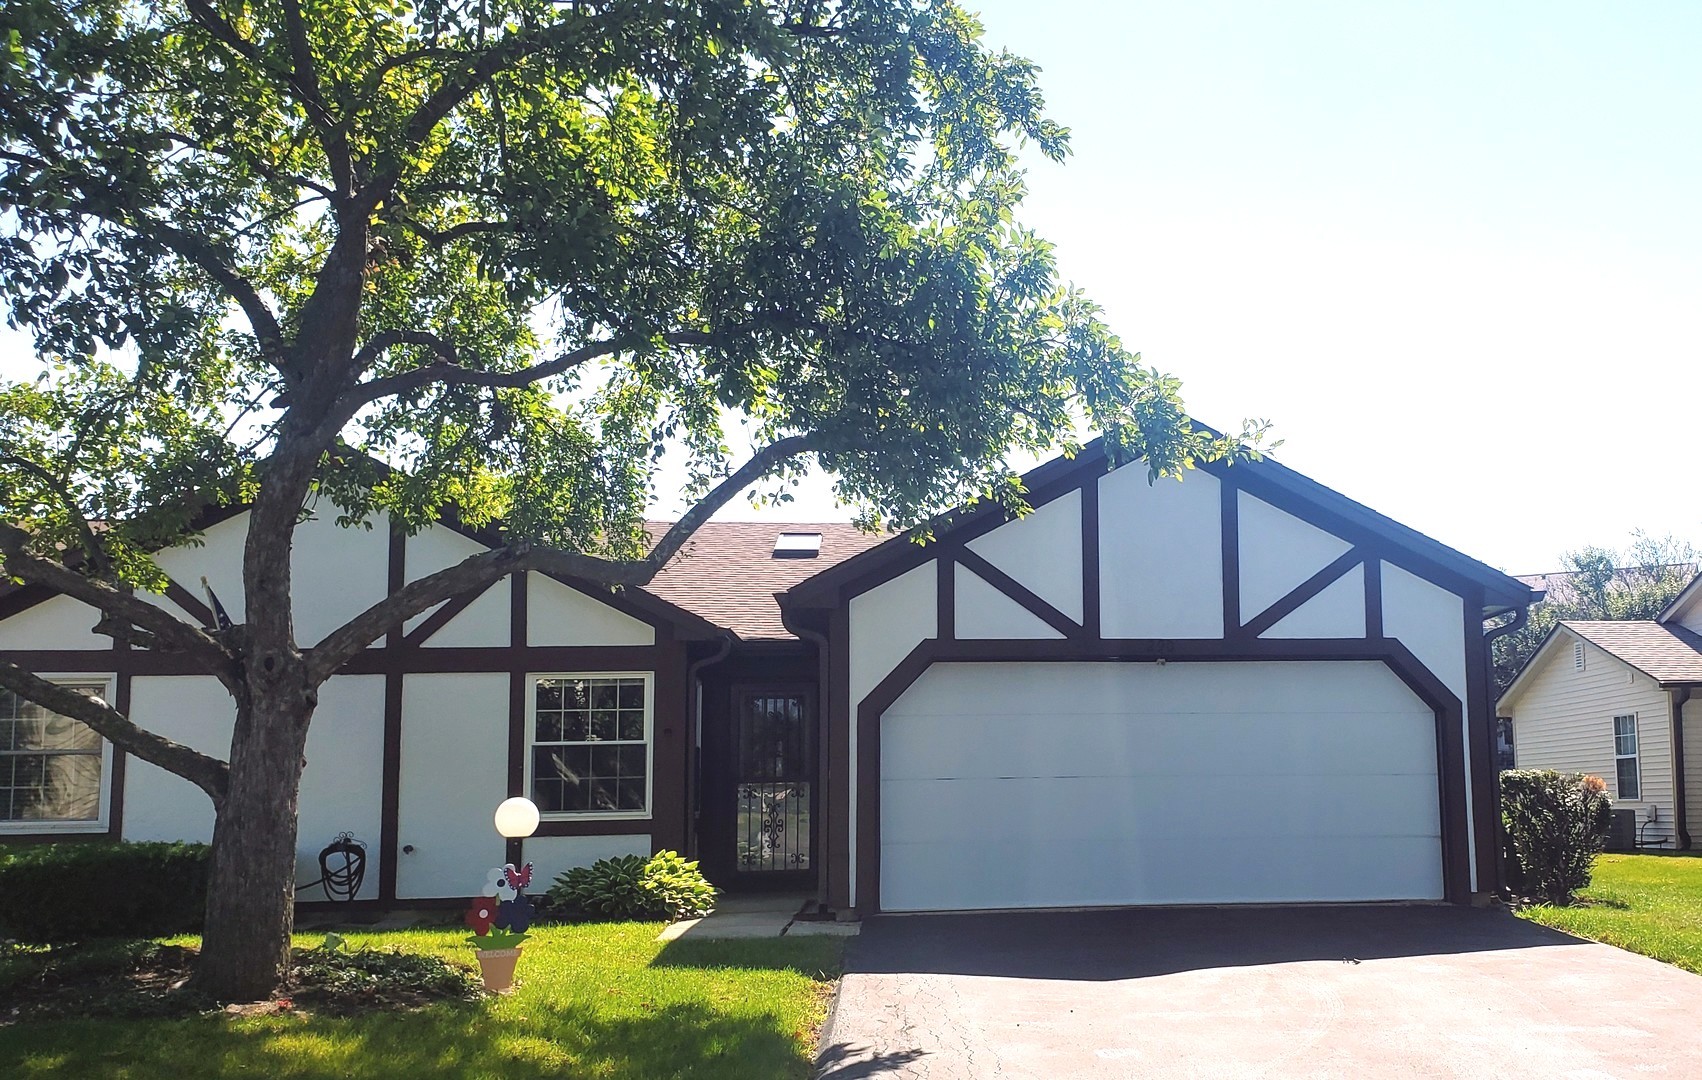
point(549, 695)
point(589, 752)
point(631, 725)
point(632, 694)
point(603, 725)
point(68, 790)
point(1627, 776)
point(604, 695)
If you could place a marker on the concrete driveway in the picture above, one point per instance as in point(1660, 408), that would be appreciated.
point(1361, 992)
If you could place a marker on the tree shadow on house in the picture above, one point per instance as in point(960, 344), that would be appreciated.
point(1127, 943)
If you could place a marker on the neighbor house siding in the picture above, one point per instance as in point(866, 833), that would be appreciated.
point(1564, 720)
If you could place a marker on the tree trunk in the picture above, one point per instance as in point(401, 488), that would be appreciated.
point(245, 946)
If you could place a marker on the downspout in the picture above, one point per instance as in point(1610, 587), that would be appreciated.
point(1516, 623)
point(824, 710)
point(694, 785)
point(1679, 695)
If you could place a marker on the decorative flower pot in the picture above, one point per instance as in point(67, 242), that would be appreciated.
point(496, 966)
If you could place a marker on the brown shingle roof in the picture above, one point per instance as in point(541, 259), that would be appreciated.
point(727, 572)
point(1667, 654)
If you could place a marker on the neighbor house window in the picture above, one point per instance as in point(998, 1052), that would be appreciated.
point(1625, 757)
point(53, 769)
point(590, 744)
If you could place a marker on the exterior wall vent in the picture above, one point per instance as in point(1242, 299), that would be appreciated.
point(797, 545)
point(1577, 656)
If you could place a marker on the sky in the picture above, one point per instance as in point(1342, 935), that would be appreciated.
point(1453, 251)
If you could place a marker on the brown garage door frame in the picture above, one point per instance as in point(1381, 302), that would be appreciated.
point(1450, 743)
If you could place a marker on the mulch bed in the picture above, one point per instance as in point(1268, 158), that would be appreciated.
point(147, 979)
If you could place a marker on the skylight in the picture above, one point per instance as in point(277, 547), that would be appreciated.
point(797, 545)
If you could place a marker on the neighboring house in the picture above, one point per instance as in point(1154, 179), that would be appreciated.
point(1615, 699)
point(1239, 687)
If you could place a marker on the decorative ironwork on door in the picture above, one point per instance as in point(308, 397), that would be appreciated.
point(775, 775)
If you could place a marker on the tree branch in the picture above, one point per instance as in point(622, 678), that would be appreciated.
point(207, 773)
point(488, 567)
point(86, 533)
point(169, 632)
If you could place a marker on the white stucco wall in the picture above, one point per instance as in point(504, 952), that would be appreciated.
point(484, 622)
point(1278, 552)
point(59, 623)
point(340, 786)
point(1337, 611)
point(1161, 555)
point(454, 771)
point(558, 615)
point(1054, 528)
point(1563, 719)
point(552, 855)
point(981, 611)
point(886, 623)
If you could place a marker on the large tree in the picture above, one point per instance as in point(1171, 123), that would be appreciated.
point(505, 255)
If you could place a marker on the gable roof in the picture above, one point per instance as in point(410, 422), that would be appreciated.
point(1668, 654)
point(1264, 478)
point(727, 573)
point(1685, 597)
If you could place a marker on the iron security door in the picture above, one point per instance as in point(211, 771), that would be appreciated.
point(774, 791)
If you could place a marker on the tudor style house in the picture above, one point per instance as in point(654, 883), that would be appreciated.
point(1237, 687)
point(1618, 699)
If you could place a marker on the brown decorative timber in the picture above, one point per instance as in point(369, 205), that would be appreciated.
point(1229, 513)
point(390, 772)
point(837, 858)
point(1091, 594)
point(1451, 780)
point(1373, 597)
point(438, 619)
point(190, 603)
point(1485, 791)
point(1307, 589)
point(945, 596)
point(1014, 589)
point(115, 808)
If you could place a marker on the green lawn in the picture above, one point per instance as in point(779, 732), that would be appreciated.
point(1650, 904)
point(596, 1000)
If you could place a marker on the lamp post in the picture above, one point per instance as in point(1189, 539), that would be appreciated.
point(516, 819)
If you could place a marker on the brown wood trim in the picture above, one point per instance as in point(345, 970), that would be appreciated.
point(1451, 779)
point(945, 596)
point(390, 783)
point(1014, 589)
point(1484, 790)
point(1307, 589)
point(438, 619)
point(517, 681)
point(836, 862)
point(374, 661)
point(594, 827)
point(1373, 597)
point(115, 805)
point(191, 604)
point(1229, 516)
point(1092, 596)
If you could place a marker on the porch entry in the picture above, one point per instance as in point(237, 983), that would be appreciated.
point(760, 832)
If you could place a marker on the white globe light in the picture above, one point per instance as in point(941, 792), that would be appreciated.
point(517, 817)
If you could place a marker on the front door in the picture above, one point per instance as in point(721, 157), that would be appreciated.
point(768, 807)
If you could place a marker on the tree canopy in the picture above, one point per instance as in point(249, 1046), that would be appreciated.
point(504, 256)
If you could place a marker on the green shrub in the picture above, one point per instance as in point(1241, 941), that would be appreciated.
point(54, 893)
point(631, 887)
point(677, 887)
point(1556, 824)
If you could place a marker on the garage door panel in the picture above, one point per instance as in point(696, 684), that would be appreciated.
point(1128, 784)
point(1205, 808)
point(931, 877)
point(1037, 688)
point(1138, 742)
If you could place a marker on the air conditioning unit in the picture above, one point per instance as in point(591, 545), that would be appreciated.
point(1622, 830)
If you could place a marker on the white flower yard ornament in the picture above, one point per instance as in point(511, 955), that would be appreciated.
point(496, 884)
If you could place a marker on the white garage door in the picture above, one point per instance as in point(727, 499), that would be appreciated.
point(1064, 785)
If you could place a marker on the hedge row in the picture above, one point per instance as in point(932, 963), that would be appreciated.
point(52, 893)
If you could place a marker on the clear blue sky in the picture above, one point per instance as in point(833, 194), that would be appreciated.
point(1452, 250)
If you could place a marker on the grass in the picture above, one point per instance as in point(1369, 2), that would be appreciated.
point(595, 1000)
point(1650, 904)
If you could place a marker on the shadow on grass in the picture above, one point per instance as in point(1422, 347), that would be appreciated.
point(811, 957)
point(540, 1039)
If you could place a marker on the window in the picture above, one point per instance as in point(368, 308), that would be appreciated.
point(590, 745)
point(53, 769)
point(1625, 757)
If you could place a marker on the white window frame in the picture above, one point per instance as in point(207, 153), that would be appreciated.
point(103, 820)
point(1635, 757)
point(649, 678)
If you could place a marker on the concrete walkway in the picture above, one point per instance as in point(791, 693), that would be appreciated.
point(762, 916)
point(1355, 992)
